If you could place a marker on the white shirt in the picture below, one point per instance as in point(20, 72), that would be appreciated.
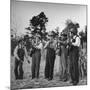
point(52, 45)
point(15, 52)
point(77, 41)
point(39, 46)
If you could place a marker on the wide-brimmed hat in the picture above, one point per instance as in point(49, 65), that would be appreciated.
point(73, 30)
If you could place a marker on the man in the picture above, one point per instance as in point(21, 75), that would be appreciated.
point(36, 57)
point(19, 53)
point(63, 57)
point(50, 56)
point(74, 56)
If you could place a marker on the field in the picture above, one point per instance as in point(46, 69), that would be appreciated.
point(41, 82)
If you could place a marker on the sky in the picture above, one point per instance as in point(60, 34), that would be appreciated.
point(23, 11)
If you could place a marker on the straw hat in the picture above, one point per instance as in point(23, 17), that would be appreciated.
point(50, 33)
point(73, 30)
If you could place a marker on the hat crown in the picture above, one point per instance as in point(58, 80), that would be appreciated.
point(50, 33)
point(73, 30)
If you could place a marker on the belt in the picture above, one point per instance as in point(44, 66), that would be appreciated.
point(51, 48)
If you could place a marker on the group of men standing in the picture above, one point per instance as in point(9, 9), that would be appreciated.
point(67, 47)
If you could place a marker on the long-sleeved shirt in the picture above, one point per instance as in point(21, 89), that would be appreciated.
point(77, 41)
point(15, 53)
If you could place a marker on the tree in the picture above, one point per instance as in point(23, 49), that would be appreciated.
point(86, 32)
point(69, 25)
point(38, 24)
point(83, 36)
point(57, 30)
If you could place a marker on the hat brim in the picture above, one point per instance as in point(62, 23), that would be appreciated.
point(50, 35)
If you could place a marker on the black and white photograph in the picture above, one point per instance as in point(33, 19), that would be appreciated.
point(48, 44)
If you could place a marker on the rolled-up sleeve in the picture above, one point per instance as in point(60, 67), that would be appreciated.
point(47, 43)
point(15, 52)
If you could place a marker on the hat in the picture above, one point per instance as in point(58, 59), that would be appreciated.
point(64, 34)
point(73, 30)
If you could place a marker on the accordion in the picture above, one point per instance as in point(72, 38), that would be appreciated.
point(73, 40)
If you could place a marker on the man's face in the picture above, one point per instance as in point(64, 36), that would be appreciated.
point(19, 45)
point(51, 38)
point(71, 33)
point(37, 39)
point(62, 38)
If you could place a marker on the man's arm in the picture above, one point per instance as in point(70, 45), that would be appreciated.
point(63, 42)
point(26, 55)
point(15, 53)
point(46, 45)
point(39, 46)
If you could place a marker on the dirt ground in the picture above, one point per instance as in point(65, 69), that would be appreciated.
point(41, 82)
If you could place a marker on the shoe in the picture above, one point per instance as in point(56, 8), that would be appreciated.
point(17, 78)
point(46, 78)
point(33, 78)
point(21, 77)
point(71, 81)
point(50, 79)
point(75, 83)
point(64, 80)
point(37, 79)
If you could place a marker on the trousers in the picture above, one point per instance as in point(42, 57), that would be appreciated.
point(50, 59)
point(64, 63)
point(18, 70)
point(36, 58)
point(74, 69)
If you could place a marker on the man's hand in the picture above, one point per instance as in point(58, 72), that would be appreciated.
point(27, 60)
point(57, 51)
point(17, 58)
